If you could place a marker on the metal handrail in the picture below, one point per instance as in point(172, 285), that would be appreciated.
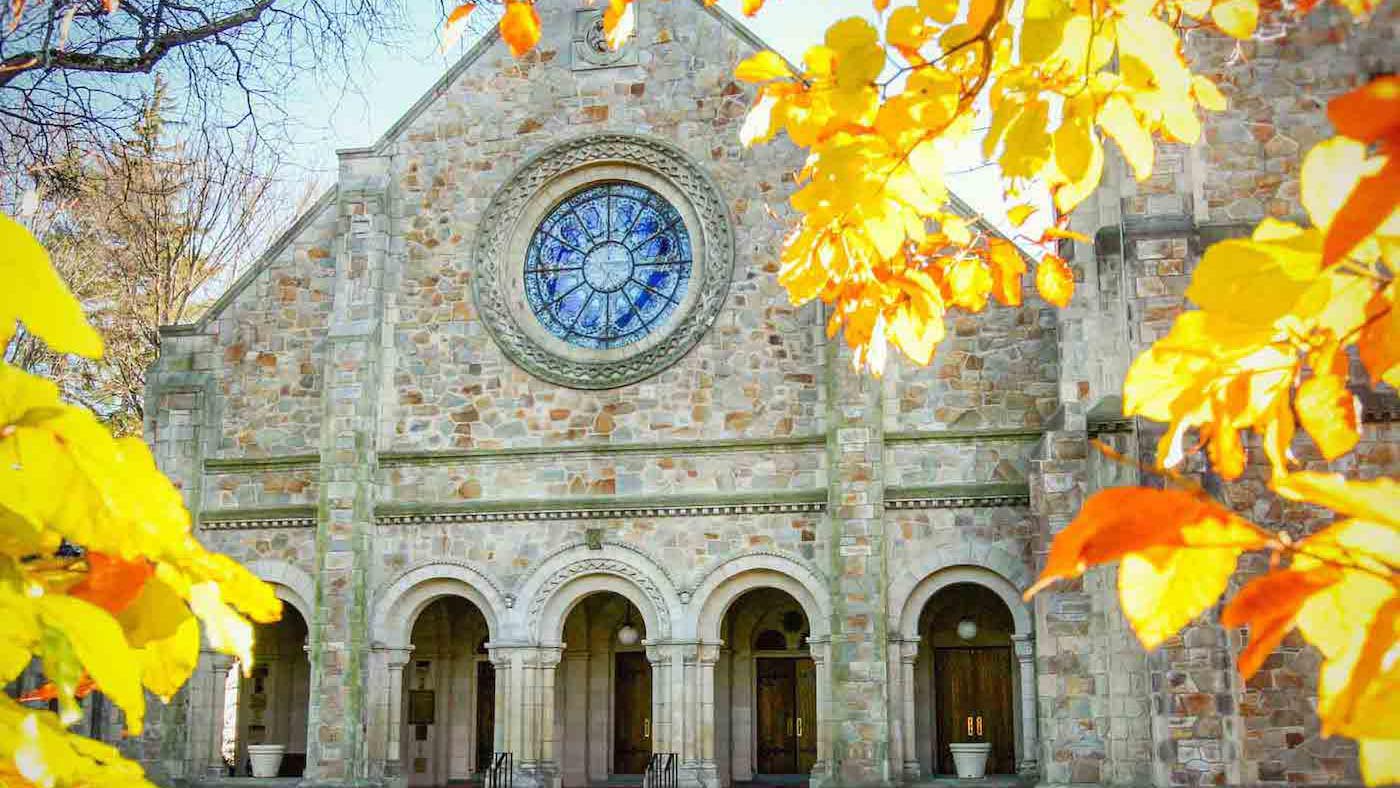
point(663, 770)
point(501, 774)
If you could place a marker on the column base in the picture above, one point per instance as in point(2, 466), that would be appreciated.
point(537, 775)
point(698, 775)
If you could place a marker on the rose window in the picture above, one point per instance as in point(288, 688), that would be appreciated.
point(608, 265)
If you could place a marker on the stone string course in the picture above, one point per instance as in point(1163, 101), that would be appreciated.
point(344, 422)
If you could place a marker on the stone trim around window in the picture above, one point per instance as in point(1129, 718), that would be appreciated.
point(544, 181)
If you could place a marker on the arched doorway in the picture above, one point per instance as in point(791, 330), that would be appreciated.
point(966, 677)
point(269, 706)
point(603, 696)
point(448, 695)
point(766, 690)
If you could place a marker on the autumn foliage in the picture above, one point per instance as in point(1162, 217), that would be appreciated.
point(101, 579)
point(1263, 361)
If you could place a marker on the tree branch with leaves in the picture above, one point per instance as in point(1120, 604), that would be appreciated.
point(880, 109)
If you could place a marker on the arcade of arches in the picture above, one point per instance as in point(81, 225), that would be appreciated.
point(742, 699)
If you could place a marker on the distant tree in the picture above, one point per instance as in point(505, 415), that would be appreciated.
point(144, 232)
point(73, 72)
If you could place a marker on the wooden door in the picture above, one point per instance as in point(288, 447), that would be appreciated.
point(485, 714)
point(776, 727)
point(970, 683)
point(806, 714)
point(632, 713)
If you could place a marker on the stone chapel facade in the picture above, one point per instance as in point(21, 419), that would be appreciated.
point(521, 426)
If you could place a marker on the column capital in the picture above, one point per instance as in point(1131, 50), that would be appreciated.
point(395, 657)
point(218, 660)
point(1024, 645)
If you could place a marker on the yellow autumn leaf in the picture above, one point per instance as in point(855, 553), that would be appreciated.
point(619, 22)
point(762, 67)
point(1380, 761)
point(916, 337)
point(1018, 214)
point(1121, 123)
point(1054, 280)
point(166, 635)
point(1028, 143)
point(1256, 282)
point(1330, 414)
point(1236, 18)
point(1079, 159)
point(1376, 500)
point(225, 630)
point(35, 296)
point(940, 11)
point(100, 646)
point(1162, 590)
point(758, 123)
point(905, 29)
point(1330, 171)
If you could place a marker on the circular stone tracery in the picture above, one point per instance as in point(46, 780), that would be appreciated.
point(608, 265)
point(561, 173)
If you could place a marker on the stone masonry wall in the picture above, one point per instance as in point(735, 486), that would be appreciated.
point(752, 375)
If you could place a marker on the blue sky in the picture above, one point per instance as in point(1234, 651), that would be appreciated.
point(393, 79)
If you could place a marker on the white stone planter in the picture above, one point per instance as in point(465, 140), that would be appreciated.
point(267, 758)
point(971, 759)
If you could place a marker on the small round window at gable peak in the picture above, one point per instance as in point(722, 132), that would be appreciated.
point(608, 265)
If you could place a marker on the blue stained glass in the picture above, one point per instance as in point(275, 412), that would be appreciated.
point(608, 266)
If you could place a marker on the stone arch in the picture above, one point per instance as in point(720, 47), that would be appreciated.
point(731, 578)
point(976, 562)
point(571, 574)
point(942, 578)
point(399, 602)
point(291, 584)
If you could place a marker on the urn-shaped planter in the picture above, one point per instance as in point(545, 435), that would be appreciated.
point(267, 758)
point(970, 758)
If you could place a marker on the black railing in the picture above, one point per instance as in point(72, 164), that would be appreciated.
point(500, 774)
point(663, 771)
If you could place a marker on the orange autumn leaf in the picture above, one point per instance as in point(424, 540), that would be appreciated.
point(752, 7)
point(1007, 266)
point(1054, 280)
point(1052, 233)
point(520, 26)
point(460, 13)
point(1123, 520)
point(49, 691)
point(619, 22)
point(111, 583)
point(1269, 605)
point(1177, 552)
point(1379, 343)
point(1370, 113)
point(1370, 204)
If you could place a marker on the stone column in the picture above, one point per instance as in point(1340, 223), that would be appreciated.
point(908, 726)
point(339, 632)
point(821, 657)
point(546, 668)
point(391, 709)
point(1029, 763)
point(859, 721)
point(208, 699)
point(699, 766)
point(660, 658)
point(525, 711)
point(573, 752)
